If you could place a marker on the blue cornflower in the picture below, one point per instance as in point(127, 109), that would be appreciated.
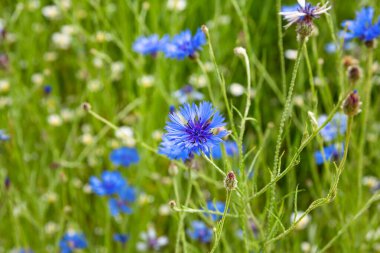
point(4, 136)
point(231, 148)
point(72, 241)
point(305, 13)
point(47, 89)
point(171, 151)
point(184, 45)
point(187, 92)
point(121, 204)
point(337, 126)
point(124, 156)
point(333, 47)
point(196, 129)
point(217, 207)
point(122, 238)
point(332, 152)
point(200, 232)
point(289, 8)
point(110, 183)
point(362, 26)
point(149, 45)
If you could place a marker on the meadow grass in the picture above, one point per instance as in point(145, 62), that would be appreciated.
point(55, 145)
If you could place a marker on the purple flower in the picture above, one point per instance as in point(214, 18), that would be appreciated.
point(124, 156)
point(111, 182)
point(200, 232)
point(72, 241)
point(195, 129)
point(362, 27)
point(184, 45)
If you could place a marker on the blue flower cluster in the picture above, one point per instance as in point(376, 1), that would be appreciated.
point(193, 130)
point(112, 184)
point(72, 241)
point(124, 156)
point(362, 27)
point(179, 47)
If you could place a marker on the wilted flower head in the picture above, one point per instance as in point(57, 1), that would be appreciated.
point(186, 93)
point(351, 105)
point(124, 156)
point(72, 241)
point(110, 183)
point(337, 126)
point(200, 232)
point(362, 27)
point(332, 152)
point(149, 44)
point(150, 241)
point(184, 45)
point(305, 13)
point(195, 129)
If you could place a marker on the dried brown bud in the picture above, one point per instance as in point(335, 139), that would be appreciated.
point(230, 182)
point(349, 61)
point(172, 204)
point(351, 105)
point(86, 106)
point(204, 29)
point(354, 73)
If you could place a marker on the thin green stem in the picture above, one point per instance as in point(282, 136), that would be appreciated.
point(105, 121)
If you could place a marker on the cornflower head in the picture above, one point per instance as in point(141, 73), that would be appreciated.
point(195, 129)
point(362, 27)
point(121, 204)
point(186, 93)
point(72, 241)
point(200, 232)
point(168, 149)
point(218, 206)
point(110, 183)
point(149, 45)
point(304, 15)
point(337, 126)
point(3, 136)
point(124, 156)
point(184, 45)
point(150, 241)
point(122, 238)
point(332, 152)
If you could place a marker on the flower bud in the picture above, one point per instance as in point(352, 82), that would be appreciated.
point(230, 182)
point(172, 204)
point(240, 51)
point(304, 30)
point(354, 73)
point(351, 105)
point(86, 106)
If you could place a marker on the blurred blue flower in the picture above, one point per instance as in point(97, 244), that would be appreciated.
point(3, 136)
point(23, 251)
point(196, 129)
point(47, 89)
point(124, 156)
point(332, 152)
point(168, 149)
point(231, 148)
point(289, 8)
point(362, 26)
point(337, 126)
point(150, 241)
point(110, 183)
point(121, 204)
point(186, 93)
point(200, 232)
point(72, 241)
point(333, 47)
point(149, 44)
point(122, 238)
point(217, 207)
point(184, 45)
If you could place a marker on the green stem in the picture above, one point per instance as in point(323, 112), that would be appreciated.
point(284, 117)
point(219, 231)
point(210, 92)
point(364, 123)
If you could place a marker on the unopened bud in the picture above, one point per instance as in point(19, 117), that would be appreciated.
point(240, 51)
point(351, 105)
point(354, 73)
point(172, 204)
point(304, 30)
point(86, 106)
point(204, 29)
point(230, 182)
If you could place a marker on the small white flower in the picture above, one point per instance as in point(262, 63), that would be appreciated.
point(69, 29)
point(51, 12)
point(150, 241)
point(98, 62)
point(291, 54)
point(102, 36)
point(4, 86)
point(117, 69)
point(37, 79)
point(67, 114)
point(62, 40)
point(146, 81)
point(302, 224)
point(157, 135)
point(94, 85)
point(236, 89)
point(54, 120)
point(198, 81)
point(50, 56)
point(176, 5)
point(51, 228)
point(124, 132)
point(87, 138)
